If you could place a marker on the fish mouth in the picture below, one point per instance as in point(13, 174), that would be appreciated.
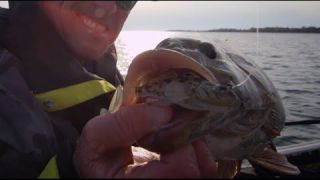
point(178, 132)
point(152, 62)
point(185, 124)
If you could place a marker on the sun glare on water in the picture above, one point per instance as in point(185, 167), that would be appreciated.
point(131, 43)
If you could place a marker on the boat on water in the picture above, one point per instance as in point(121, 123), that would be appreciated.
point(306, 156)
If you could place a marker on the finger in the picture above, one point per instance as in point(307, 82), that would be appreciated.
point(124, 127)
point(181, 163)
point(206, 161)
point(105, 135)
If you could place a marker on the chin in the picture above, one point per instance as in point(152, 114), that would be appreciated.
point(89, 54)
point(91, 57)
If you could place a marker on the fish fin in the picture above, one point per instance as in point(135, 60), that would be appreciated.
point(116, 100)
point(228, 168)
point(273, 126)
point(239, 162)
point(273, 161)
point(270, 131)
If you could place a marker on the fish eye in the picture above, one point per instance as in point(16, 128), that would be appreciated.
point(208, 50)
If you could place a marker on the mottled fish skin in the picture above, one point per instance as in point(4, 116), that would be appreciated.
point(189, 90)
point(244, 107)
point(242, 111)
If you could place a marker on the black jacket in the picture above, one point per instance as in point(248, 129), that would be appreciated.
point(34, 59)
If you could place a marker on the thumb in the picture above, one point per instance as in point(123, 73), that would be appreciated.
point(124, 127)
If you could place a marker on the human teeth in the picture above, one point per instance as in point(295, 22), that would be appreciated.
point(89, 23)
point(99, 12)
point(93, 25)
point(100, 28)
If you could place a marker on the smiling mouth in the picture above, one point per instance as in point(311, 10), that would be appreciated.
point(92, 24)
point(91, 20)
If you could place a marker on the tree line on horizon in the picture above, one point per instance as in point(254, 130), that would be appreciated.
point(310, 29)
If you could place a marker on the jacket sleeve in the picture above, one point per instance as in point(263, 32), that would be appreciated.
point(27, 138)
point(26, 143)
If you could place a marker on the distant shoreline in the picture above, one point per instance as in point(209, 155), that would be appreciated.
point(310, 29)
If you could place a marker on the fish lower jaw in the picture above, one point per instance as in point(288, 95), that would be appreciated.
point(178, 132)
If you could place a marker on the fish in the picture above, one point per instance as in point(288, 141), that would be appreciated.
point(216, 94)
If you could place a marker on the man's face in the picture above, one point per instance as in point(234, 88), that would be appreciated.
point(88, 27)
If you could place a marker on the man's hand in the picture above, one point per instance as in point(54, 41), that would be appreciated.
point(104, 148)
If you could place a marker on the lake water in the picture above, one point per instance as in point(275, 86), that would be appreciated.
point(292, 62)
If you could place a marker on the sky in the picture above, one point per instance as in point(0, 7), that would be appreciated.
point(204, 15)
